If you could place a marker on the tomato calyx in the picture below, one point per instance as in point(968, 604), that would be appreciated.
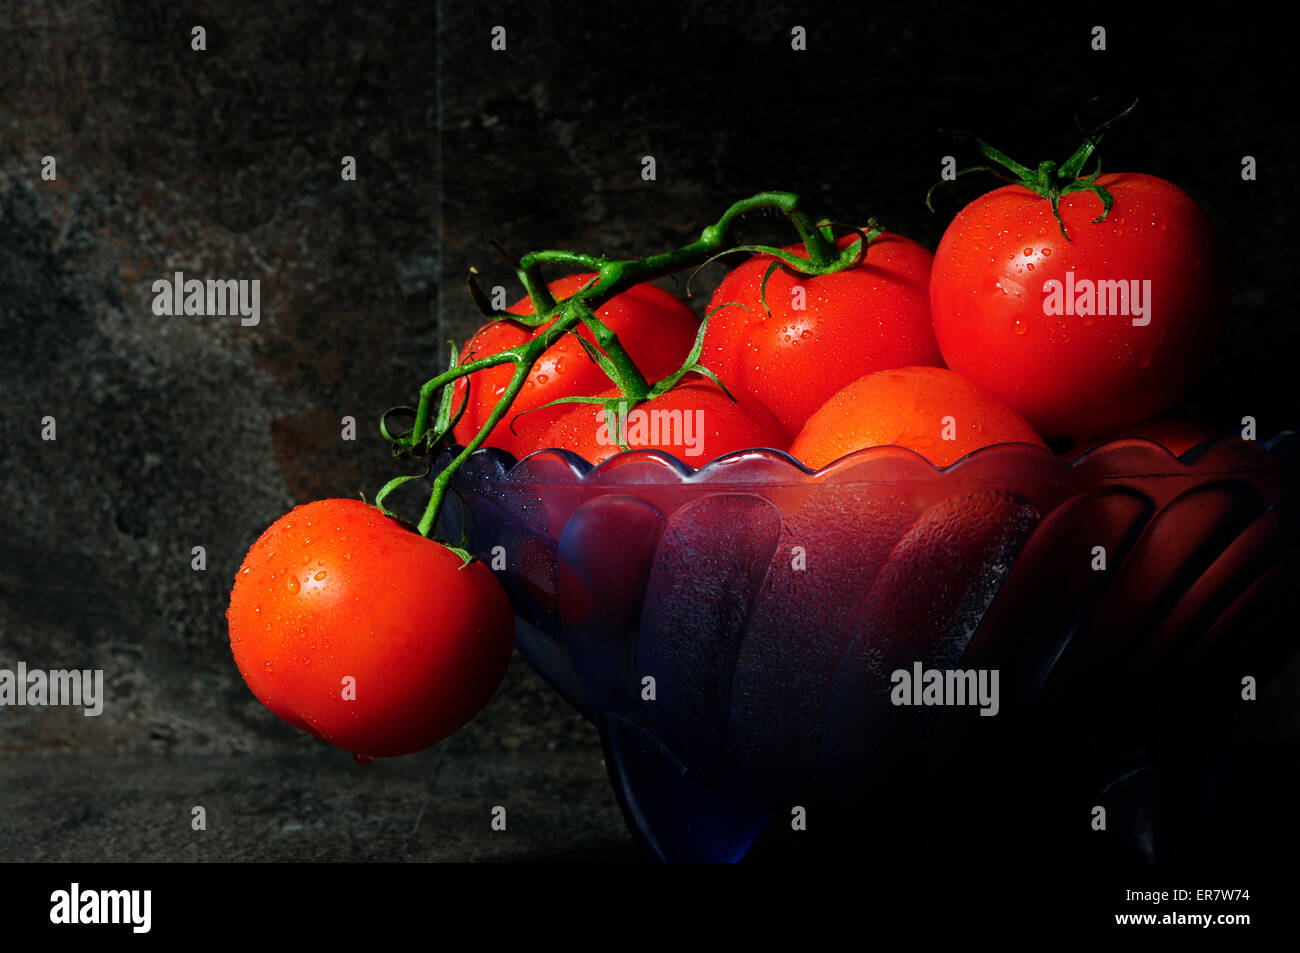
point(630, 396)
point(873, 231)
point(823, 257)
point(1051, 180)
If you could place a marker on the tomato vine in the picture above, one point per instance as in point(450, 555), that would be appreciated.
point(433, 415)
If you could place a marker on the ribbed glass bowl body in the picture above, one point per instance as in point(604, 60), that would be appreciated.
point(735, 632)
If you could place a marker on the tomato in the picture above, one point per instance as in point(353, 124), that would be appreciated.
point(910, 407)
point(695, 421)
point(1175, 435)
point(367, 635)
point(1004, 273)
point(656, 329)
point(853, 322)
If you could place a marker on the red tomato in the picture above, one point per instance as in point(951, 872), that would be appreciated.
point(695, 422)
point(869, 318)
point(909, 407)
point(655, 329)
point(336, 591)
point(1073, 374)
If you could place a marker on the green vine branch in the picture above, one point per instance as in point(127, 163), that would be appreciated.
point(434, 415)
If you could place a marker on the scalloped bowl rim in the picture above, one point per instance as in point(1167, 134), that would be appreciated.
point(607, 473)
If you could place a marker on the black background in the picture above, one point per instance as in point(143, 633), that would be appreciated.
point(175, 432)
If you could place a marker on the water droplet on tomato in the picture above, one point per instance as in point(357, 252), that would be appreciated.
point(319, 576)
point(268, 666)
point(363, 759)
point(293, 584)
point(1020, 327)
point(1047, 253)
point(347, 555)
point(542, 378)
point(1029, 253)
point(806, 335)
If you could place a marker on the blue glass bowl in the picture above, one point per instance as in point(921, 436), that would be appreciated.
point(734, 632)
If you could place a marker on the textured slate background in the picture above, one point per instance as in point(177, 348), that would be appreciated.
point(182, 431)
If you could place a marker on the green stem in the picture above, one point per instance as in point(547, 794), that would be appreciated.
point(442, 482)
point(627, 376)
point(820, 251)
point(615, 277)
point(535, 285)
point(433, 388)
